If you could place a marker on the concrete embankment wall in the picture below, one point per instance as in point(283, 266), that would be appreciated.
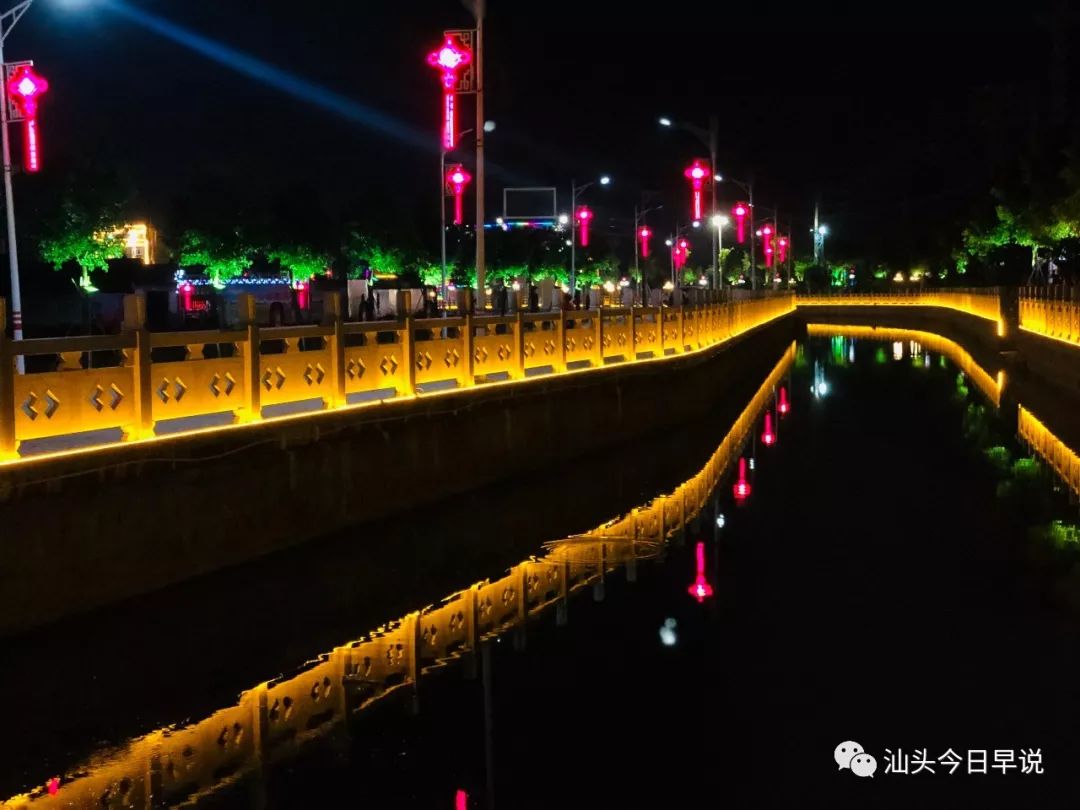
point(94, 528)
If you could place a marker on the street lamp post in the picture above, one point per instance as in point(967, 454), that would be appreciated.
point(575, 192)
point(710, 139)
point(719, 222)
point(442, 206)
point(8, 21)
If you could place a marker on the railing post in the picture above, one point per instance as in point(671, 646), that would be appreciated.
point(633, 334)
point(468, 351)
point(519, 345)
point(560, 353)
point(405, 316)
point(135, 325)
point(7, 388)
point(337, 349)
point(598, 353)
point(682, 334)
point(249, 352)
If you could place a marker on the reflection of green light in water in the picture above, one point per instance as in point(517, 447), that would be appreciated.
point(999, 457)
point(880, 357)
point(1025, 468)
point(838, 349)
point(800, 357)
point(961, 387)
point(942, 361)
point(1064, 535)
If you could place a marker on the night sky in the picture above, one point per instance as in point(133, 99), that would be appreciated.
point(899, 119)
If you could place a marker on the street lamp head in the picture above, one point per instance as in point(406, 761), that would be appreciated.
point(719, 178)
point(564, 219)
point(605, 180)
point(668, 242)
point(720, 221)
point(823, 230)
point(489, 126)
point(697, 223)
point(665, 122)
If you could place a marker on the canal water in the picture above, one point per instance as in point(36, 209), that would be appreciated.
point(902, 574)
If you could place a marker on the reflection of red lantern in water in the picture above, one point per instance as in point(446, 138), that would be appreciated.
point(456, 180)
point(696, 174)
point(449, 59)
point(700, 589)
point(740, 211)
point(25, 88)
point(461, 800)
point(782, 244)
point(783, 407)
point(742, 486)
point(767, 436)
point(584, 216)
point(645, 235)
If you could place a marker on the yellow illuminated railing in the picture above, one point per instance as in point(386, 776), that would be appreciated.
point(1056, 453)
point(980, 302)
point(138, 392)
point(991, 386)
point(269, 722)
point(1052, 312)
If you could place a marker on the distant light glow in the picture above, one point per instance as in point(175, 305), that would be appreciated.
point(489, 126)
point(667, 632)
point(605, 180)
point(564, 219)
point(720, 520)
point(665, 122)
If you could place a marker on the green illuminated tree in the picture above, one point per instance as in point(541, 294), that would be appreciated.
point(222, 257)
point(300, 261)
point(82, 239)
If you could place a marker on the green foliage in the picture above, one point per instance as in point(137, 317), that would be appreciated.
point(301, 261)
point(222, 257)
point(999, 457)
point(365, 251)
point(81, 238)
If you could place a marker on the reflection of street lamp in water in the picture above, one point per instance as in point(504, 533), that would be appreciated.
point(700, 588)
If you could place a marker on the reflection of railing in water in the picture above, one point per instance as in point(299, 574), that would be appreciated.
point(991, 387)
point(1062, 458)
point(177, 765)
point(137, 393)
point(1052, 312)
point(982, 302)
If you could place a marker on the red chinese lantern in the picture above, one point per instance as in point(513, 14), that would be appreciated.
point(584, 215)
point(767, 436)
point(742, 486)
point(645, 235)
point(767, 240)
point(449, 59)
point(25, 88)
point(740, 212)
point(456, 180)
point(696, 174)
point(700, 588)
point(782, 247)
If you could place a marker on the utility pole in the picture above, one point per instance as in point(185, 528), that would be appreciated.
point(478, 8)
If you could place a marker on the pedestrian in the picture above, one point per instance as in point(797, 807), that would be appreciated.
point(534, 299)
point(369, 306)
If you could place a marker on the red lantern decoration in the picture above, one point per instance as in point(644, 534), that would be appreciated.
point(700, 588)
point(449, 59)
point(767, 240)
point(584, 214)
point(645, 235)
point(303, 294)
point(742, 486)
point(696, 174)
point(767, 436)
point(784, 407)
point(782, 247)
point(456, 180)
point(740, 212)
point(25, 88)
point(680, 251)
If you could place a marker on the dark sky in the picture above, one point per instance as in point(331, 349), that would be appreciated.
point(869, 108)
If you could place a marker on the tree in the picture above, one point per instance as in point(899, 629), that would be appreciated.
point(82, 238)
point(301, 261)
point(223, 257)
